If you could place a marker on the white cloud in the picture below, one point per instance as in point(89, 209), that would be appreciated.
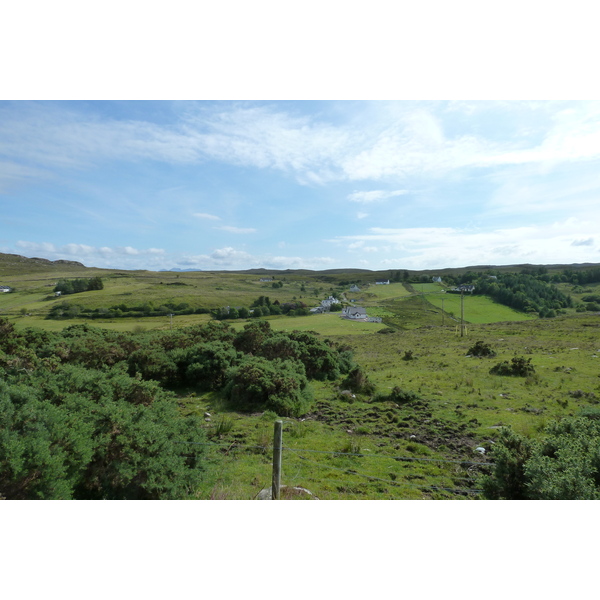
point(395, 141)
point(230, 255)
point(565, 242)
point(232, 229)
point(117, 257)
point(375, 195)
point(207, 216)
point(361, 215)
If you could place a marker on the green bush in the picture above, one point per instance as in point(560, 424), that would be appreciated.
point(75, 435)
point(278, 385)
point(518, 367)
point(563, 465)
point(358, 381)
point(481, 349)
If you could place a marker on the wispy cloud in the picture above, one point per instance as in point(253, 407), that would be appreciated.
point(232, 229)
point(375, 195)
point(422, 247)
point(104, 256)
point(392, 144)
point(206, 216)
point(232, 259)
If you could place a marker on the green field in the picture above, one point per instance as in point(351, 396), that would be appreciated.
point(361, 447)
point(477, 309)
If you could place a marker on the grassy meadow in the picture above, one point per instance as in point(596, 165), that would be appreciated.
point(361, 446)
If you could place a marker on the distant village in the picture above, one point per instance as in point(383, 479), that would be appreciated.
point(354, 313)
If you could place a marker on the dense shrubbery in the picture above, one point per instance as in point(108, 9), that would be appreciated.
point(70, 429)
point(84, 413)
point(563, 465)
point(278, 385)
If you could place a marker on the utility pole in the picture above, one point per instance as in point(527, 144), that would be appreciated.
point(462, 313)
point(171, 315)
point(442, 312)
point(277, 446)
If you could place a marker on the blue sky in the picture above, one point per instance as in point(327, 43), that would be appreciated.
point(219, 185)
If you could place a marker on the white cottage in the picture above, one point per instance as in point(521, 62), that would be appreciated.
point(354, 312)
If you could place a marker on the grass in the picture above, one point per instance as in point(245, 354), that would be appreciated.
point(363, 447)
point(477, 309)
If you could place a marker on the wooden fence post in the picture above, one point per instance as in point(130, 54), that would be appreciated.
point(277, 446)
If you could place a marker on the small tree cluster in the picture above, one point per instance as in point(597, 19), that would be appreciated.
point(75, 286)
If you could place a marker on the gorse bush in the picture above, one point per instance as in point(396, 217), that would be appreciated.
point(358, 381)
point(518, 367)
point(84, 413)
point(481, 349)
point(277, 385)
point(563, 465)
point(83, 435)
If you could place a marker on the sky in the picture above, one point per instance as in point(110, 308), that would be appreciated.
point(228, 185)
point(317, 135)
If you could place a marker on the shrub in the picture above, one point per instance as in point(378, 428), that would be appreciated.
point(508, 480)
point(278, 385)
point(398, 395)
point(481, 349)
point(358, 382)
point(563, 465)
point(518, 367)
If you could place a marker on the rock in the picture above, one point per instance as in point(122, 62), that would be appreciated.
point(480, 449)
point(285, 493)
point(207, 414)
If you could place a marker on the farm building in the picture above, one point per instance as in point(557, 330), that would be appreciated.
point(354, 312)
point(382, 282)
point(355, 288)
point(327, 303)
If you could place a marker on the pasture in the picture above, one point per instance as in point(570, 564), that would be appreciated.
point(370, 445)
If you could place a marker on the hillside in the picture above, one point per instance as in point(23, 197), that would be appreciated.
point(416, 415)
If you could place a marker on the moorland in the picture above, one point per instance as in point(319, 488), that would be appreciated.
point(139, 384)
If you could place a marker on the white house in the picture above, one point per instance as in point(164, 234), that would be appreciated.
point(266, 279)
point(382, 282)
point(355, 288)
point(436, 279)
point(354, 312)
point(327, 303)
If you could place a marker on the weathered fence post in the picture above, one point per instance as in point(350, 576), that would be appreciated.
point(277, 445)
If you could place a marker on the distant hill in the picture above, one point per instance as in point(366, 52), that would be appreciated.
point(14, 262)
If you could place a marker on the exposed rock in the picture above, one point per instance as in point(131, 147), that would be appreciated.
point(286, 493)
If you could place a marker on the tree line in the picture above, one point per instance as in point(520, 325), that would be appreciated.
point(75, 286)
point(526, 292)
